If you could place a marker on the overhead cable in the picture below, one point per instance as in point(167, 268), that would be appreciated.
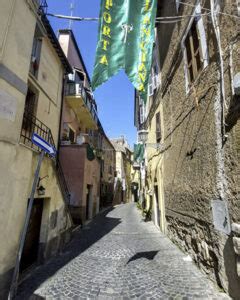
point(169, 19)
point(72, 18)
point(183, 16)
point(207, 9)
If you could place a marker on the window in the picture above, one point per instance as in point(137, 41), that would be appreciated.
point(36, 52)
point(195, 48)
point(238, 7)
point(154, 78)
point(194, 56)
point(177, 4)
point(29, 110)
point(150, 86)
point(110, 170)
point(68, 134)
point(141, 111)
point(158, 128)
point(71, 135)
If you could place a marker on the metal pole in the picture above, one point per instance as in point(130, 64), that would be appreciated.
point(13, 288)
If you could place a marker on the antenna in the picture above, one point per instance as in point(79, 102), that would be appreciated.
point(72, 8)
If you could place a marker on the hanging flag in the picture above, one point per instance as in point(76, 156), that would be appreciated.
point(110, 49)
point(139, 47)
point(138, 153)
point(125, 41)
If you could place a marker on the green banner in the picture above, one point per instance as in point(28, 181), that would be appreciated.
point(125, 41)
point(138, 153)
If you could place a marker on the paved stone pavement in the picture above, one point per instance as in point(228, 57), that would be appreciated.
point(119, 256)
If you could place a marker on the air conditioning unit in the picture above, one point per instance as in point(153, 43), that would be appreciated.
point(236, 84)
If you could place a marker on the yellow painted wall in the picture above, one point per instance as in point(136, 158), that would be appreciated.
point(17, 162)
point(17, 23)
point(109, 160)
point(155, 169)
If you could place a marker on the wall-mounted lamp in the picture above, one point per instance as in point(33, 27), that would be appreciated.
point(142, 136)
point(40, 188)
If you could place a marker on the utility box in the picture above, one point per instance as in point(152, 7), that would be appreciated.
point(236, 84)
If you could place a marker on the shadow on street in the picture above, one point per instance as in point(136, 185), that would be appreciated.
point(82, 239)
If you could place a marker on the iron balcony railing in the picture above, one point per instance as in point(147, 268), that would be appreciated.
point(41, 5)
point(77, 89)
point(31, 125)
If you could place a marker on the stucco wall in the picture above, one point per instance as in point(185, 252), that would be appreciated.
point(73, 158)
point(17, 162)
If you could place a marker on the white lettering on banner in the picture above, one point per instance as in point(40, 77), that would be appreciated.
point(8, 106)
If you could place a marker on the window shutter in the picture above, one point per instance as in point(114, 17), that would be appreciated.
point(177, 5)
point(150, 87)
point(238, 7)
point(156, 81)
point(217, 6)
point(141, 114)
point(158, 128)
point(202, 37)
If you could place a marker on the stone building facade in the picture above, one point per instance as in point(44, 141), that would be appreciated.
point(192, 118)
point(32, 68)
point(123, 168)
point(108, 167)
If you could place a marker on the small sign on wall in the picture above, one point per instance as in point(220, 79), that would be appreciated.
point(8, 106)
point(220, 213)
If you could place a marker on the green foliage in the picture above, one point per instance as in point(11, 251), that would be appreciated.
point(139, 206)
point(146, 213)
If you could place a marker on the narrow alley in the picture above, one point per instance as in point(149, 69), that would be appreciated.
point(119, 256)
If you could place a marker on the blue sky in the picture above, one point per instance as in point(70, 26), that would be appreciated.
point(115, 99)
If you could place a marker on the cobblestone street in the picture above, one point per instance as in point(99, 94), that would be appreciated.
point(119, 256)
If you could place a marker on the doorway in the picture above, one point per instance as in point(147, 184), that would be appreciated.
point(31, 245)
point(157, 207)
point(89, 202)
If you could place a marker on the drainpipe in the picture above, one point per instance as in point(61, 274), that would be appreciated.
point(61, 116)
point(216, 28)
point(219, 103)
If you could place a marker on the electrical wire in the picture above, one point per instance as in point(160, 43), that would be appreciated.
point(170, 19)
point(207, 9)
point(72, 18)
point(175, 19)
point(166, 20)
point(182, 16)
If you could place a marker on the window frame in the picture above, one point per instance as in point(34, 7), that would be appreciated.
point(238, 7)
point(177, 5)
point(158, 128)
point(202, 46)
point(30, 110)
point(193, 49)
point(36, 51)
point(69, 134)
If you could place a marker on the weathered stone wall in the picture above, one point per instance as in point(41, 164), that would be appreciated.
point(197, 168)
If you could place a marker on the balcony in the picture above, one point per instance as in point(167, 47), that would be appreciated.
point(31, 125)
point(82, 104)
point(41, 5)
